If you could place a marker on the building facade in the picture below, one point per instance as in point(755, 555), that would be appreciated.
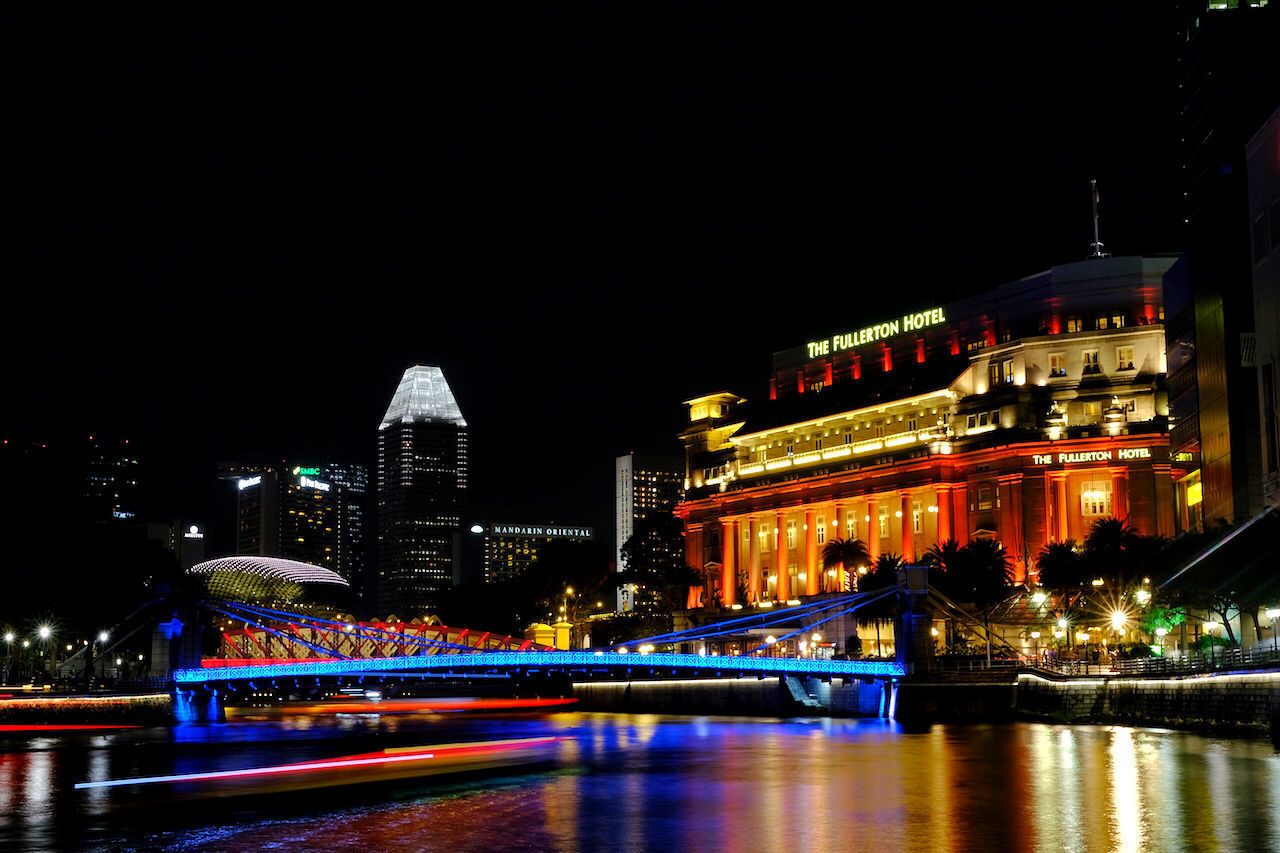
point(1263, 154)
point(290, 512)
point(642, 485)
point(512, 551)
point(1227, 84)
point(421, 486)
point(1024, 414)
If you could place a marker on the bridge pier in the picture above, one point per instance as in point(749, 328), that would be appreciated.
point(198, 705)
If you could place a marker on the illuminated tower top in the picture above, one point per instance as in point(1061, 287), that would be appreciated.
point(423, 396)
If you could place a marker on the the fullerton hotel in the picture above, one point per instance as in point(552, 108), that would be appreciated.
point(1023, 414)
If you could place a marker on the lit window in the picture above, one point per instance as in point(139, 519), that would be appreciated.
point(917, 518)
point(1095, 499)
point(1073, 324)
point(1117, 321)
point(1008, 371)
point(884, 522)
point(822, 529)
point(791, 534)
point(1091, 362)
point(1124, 358)
point(1058, 364)
point(984, 497)
point(1092, 409)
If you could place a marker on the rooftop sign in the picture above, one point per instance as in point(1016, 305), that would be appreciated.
point(540, 530)
point(878, 332)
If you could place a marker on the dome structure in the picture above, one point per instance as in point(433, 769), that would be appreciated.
point(268, 579)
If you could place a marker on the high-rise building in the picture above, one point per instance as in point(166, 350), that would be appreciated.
point(111, 480)
point(512, 551)
point(289, 512)
point(422, 482)
point(642, 485)
point(352, 482)
point(1228, 83)
point(1263, 153)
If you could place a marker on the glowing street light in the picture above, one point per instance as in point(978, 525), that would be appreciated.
point(1273, 614)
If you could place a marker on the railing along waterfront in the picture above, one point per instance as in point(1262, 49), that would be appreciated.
point(1220, 660)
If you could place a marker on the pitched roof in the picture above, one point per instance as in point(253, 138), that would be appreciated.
point(423, 396)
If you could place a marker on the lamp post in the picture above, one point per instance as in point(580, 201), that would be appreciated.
point(8, 656)
point(1273, 614)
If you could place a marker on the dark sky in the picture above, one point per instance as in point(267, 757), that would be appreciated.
point(231, 228)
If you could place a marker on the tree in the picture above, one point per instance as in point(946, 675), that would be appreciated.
point(849, 554)
point(1060, 566)
point(654, 562)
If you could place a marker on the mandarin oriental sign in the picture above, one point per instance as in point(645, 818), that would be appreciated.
point(540, 530)
point(878, 332)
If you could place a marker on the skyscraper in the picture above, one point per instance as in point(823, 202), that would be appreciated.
point(642, 485)
point(422, 479)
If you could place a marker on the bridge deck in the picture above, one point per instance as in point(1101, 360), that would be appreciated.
point(671, 665)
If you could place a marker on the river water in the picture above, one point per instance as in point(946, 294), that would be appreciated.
point(643, 782)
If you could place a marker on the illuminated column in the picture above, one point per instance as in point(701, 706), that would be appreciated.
point(810, 551)
point(693, 555)
point(781, 558)
point(842, 511)
point(1011, 523)
point(728, 561)
point(960, 517)
point(1060, 491)
point(873, 528)
point(1163, 500)
point(944, 513)
point(1120, 493)
point(908, 534)
point(753, 570)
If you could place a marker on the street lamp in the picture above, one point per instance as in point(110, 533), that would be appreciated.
point(1273, 614)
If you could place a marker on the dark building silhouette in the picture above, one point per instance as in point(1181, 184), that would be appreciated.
point(421, 483)
point(1229, 82)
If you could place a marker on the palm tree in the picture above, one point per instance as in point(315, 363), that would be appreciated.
point(944, 560)
point(1060, 565)
point(986, 574)
point(846, 553)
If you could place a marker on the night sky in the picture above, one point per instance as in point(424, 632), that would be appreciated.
point(231, 228)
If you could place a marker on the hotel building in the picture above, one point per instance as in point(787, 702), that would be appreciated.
point(512, 551)
point(1023, 414)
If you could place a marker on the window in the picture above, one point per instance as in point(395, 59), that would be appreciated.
point(851, 526)
point(1095, 498)
point(1100, 323)
point(848, 438)
point(1074, 324)
point(1117, 321)
point(911, 425)
point(764, 539)
point(817, 444)
point(917, 517)
point(884, 522)
point(791, 448)
point(995, 418)
point(822, 530)
point(984, 419)
point(971, 421)
point(993, 374)
point(1092, 409)
point(879, 432)
point(1008, 371)
point(1091, 362)
point(791, 534)
point(761, 452)
point(984, 497)
point(1124, 358)
point(1058, 364)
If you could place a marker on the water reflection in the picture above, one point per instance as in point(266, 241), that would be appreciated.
point(650, 782)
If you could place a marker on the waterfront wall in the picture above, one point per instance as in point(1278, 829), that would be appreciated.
point(148, 710)
point(733, 696)
point(1245, 699)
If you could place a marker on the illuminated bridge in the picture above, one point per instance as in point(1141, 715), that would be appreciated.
point(275, 645)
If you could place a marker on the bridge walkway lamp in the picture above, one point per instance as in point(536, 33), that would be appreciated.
point(1209, 627)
